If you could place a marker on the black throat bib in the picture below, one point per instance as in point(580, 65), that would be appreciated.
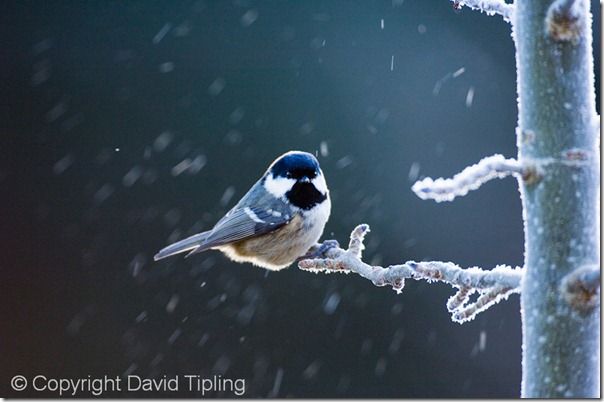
point(305, 195)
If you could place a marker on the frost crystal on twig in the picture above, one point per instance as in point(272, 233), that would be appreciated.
point(490, 7)
point(471, 178)
point(493, 285)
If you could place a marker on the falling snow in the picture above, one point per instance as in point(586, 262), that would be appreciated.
point(166, 67)
point(331, 303)
point(161, 33)
point(470, 97)
point(249, 18)
point(63, 164)
point(216, 87)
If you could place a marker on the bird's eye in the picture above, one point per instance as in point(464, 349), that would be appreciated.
point(288, 175)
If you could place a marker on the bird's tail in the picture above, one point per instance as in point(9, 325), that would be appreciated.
point(190, 243)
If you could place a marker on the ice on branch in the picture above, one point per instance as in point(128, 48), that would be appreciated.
point(490, 7)
point(492, 286)
point(471, 178)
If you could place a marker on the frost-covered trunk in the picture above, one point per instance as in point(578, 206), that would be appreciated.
point(558, 135)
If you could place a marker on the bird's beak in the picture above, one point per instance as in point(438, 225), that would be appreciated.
point(305, 180)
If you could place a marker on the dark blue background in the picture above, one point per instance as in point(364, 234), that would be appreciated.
point(80, 293)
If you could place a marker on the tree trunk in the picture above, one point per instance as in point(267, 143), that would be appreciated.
point(558, 135)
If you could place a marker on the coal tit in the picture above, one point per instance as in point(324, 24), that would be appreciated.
point(279, 219)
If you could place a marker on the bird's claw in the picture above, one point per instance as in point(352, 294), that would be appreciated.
point(319, 250)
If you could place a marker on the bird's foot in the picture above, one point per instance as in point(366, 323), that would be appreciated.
point(319, 250)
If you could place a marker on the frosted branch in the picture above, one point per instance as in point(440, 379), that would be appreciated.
point(486, 299)
point(492, 286)
point(490, 7)
point(471, 178)
point(460, 298)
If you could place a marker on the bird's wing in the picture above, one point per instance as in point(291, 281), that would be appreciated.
point(257, 213)
point(249, 218)
point(245, 222)
point(238, 224)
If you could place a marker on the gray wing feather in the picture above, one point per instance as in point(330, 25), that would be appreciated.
point(257, 213)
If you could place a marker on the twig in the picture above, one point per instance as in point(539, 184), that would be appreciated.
point(486, 299)
point(460, 298)
point(490, 7)
point(493, 285)
point(471, 178)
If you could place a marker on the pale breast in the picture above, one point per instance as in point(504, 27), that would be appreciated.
point(278, 249)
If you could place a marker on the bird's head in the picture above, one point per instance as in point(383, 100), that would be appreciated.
point(297, 176)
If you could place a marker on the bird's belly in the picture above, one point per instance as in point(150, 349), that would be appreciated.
point(278, 249)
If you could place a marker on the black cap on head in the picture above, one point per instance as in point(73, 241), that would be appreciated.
point(295, 165)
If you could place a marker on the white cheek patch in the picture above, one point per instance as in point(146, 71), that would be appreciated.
point(278, 186)
point(319, 183)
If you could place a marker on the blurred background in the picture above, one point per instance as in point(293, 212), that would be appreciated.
point(129, 125)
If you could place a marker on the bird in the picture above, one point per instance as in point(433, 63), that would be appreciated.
point(275, 223)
